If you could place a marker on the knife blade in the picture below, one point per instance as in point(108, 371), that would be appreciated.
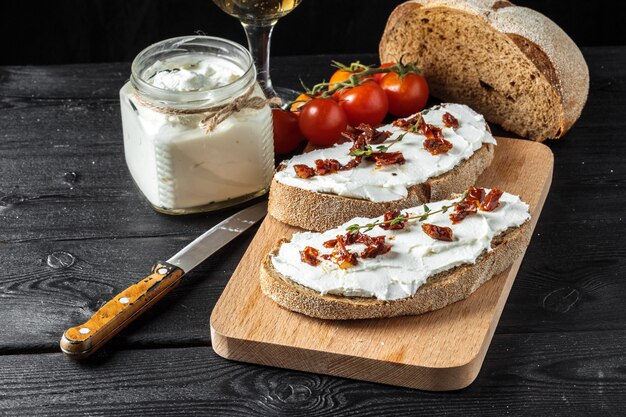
point(82, 341)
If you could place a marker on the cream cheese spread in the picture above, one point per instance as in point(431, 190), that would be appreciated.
point(413, 258)
point(193, 73)
point(391, 182)
point(174, 162)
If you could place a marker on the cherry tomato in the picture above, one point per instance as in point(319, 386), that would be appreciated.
point(339, 76)
point(322, 120)
point(406, 95)
point(302, 98)
point(287, 135)
point(378, 77)
point(365, 103)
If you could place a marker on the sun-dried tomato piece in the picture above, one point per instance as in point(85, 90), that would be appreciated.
point(438, 232)
point(330, 243)
point(376, 246)
point(387, 158)
point(391, 215)
point(351, 238)
point(365, 134)
point(462, 210)
point(437, 146)
point(350, 133)
point(372, 136)
point(309, 256)
point(346, 261)
point(281, 167)
point(450, 121)
point(358, 237)
point(458, 216)
point(304, 171)
point(412, 124)
point(327, 166)
point(353, 163)
point(376, 239)
point(475, 194)
point(359, 143)
point(401, 123)
point(492, 200)
point(430, 131)
point(342, 256)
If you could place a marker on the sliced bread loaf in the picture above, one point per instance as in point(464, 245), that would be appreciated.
point(512, 64)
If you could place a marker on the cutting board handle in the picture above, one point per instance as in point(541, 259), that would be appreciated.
point(82, 341)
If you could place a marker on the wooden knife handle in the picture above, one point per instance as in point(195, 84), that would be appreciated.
point(81, 341)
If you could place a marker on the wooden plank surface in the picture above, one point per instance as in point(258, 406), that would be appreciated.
point(526, 374)
point(440, 351)
point(552, 348)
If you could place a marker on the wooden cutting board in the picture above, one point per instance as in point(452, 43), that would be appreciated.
point(437, 351)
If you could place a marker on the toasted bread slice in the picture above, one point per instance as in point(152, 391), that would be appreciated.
point(510, 63)
point(320, 211)
point(314, 210)
point(439, 291)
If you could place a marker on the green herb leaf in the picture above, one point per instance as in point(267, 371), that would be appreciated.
point(426, 209)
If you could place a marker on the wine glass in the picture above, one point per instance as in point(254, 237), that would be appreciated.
point(258, 18)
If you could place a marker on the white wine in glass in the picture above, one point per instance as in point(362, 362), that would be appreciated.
point(258, 18)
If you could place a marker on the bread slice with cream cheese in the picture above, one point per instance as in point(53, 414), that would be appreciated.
point(416, 275)
point(326, 201)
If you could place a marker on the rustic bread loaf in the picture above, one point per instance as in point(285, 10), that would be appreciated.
point(510, 63)
point(439, 291)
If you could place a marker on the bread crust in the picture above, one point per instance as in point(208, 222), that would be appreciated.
point(545, 44)
point(320, 211)
point(439, 290)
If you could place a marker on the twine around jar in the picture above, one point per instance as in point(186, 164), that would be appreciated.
point(216, 114)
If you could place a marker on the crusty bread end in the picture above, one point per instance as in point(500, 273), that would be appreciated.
point(510, 63)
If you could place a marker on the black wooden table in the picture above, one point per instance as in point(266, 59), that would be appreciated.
point(74, 232)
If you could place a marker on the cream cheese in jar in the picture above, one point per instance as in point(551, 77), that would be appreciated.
point(177, 164)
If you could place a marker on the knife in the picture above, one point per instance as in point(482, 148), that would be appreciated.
point(82, 341)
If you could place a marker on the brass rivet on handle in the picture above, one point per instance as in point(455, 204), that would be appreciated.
point(162, 271)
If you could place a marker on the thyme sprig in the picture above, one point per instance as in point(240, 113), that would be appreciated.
point(353, 228)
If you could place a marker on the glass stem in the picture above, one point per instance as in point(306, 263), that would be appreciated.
point(259, 39)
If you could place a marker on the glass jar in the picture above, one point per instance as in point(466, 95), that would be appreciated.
point(176, 161)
